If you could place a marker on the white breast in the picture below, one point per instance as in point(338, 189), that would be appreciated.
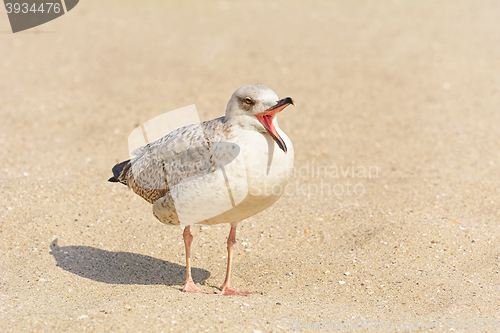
point(267, 170)
point(268, 167)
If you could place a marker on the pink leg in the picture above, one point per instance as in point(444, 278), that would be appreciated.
point(226, 288)
point(189, 286)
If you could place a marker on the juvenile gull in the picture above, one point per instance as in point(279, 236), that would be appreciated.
point(220, 171)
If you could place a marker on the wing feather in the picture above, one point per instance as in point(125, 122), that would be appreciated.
point(179, 155)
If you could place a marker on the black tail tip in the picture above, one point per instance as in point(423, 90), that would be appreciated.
point(113, 180)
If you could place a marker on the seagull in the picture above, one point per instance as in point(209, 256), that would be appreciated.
point(223, 170)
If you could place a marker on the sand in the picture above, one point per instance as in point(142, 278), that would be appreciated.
point(404, 93)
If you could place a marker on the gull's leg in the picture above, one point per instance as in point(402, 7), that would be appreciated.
point(189, 286)
point(226, 288)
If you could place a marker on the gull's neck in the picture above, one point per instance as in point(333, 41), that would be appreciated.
point(248, 122)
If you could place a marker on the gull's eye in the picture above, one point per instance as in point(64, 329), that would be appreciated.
point(248, 100)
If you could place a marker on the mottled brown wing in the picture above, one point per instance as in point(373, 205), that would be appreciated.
point(181, 154)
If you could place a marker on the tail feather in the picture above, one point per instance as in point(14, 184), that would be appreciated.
point(117, 171)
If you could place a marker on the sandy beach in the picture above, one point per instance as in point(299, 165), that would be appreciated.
point(389, 223)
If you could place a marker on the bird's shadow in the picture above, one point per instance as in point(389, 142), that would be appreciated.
point(121, 267)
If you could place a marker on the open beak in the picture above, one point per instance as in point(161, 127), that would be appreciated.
point(266, 119)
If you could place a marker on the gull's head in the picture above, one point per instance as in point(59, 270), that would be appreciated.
point(256, 106)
